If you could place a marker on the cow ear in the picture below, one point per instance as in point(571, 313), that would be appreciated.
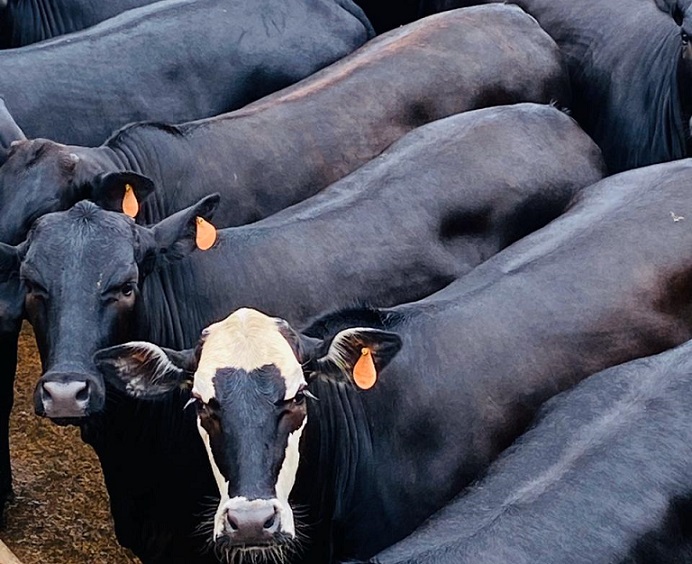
point(178, 235)
point(10, 132)
point(360, 354)
point(121, 191)
point(144, 370)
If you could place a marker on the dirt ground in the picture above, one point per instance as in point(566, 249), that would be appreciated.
point(61, 514)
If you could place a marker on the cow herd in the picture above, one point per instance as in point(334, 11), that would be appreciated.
point(335, 278)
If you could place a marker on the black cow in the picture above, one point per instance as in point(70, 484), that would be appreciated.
point(631, 69)
point(489, 176)
point(286, 146)
point(175, 60)
point(603, 476)
point(27, 21)
point(607, 282)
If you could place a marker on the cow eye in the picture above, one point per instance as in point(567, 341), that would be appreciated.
point(301, 395)
point(685, 38)
point(207, 410)
point(127, 289)
point(299, 398)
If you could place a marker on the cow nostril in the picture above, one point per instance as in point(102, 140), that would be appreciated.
point(269, 523)
point(83, 394)
point(232, 523)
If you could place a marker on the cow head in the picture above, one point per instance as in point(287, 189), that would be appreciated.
point(82, 270)
point(250, 389)
point(40, 176)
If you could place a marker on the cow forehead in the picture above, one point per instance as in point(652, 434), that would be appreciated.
point(86, 220)
point(85, 233)
point(246, 340)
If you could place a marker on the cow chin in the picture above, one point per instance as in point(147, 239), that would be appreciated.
point(258, 530)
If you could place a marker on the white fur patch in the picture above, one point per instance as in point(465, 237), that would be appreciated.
point(222, 484)
point(287, 478)
point(246, 339)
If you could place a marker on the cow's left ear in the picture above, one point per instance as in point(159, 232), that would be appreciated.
point(178, 235)
point(121, 191)
point(144, 370)
point(359, 354)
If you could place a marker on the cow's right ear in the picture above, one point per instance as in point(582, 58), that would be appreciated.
point(179, 234)
point(10, 132)
point(121, 191)
point(146, 371)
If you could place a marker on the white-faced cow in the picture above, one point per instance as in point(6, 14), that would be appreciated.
point(607, 282)
point(175, 60)
point(128, 281)
point(603, 476)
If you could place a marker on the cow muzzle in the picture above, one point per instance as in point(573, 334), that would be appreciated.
point(66, 396)
point(252, 523)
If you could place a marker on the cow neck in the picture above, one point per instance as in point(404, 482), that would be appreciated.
point(164, 318)
point(138, 148)
point(337, 477)
point(147, 449)
point(335, 470)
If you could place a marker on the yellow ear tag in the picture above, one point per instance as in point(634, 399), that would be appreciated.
point(206, 234)
point(130, 203)
point(364, 373)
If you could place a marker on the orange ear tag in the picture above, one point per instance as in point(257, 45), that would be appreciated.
point(130, 203)
point(206, 234)
point(364, 373)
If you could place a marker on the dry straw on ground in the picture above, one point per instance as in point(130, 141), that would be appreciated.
point(61, 514)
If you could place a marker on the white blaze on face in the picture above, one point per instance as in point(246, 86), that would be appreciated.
point(247, 340)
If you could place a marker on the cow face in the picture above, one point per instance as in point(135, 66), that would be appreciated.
point(41, 176)
point(81, 270)
point(250, 392)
